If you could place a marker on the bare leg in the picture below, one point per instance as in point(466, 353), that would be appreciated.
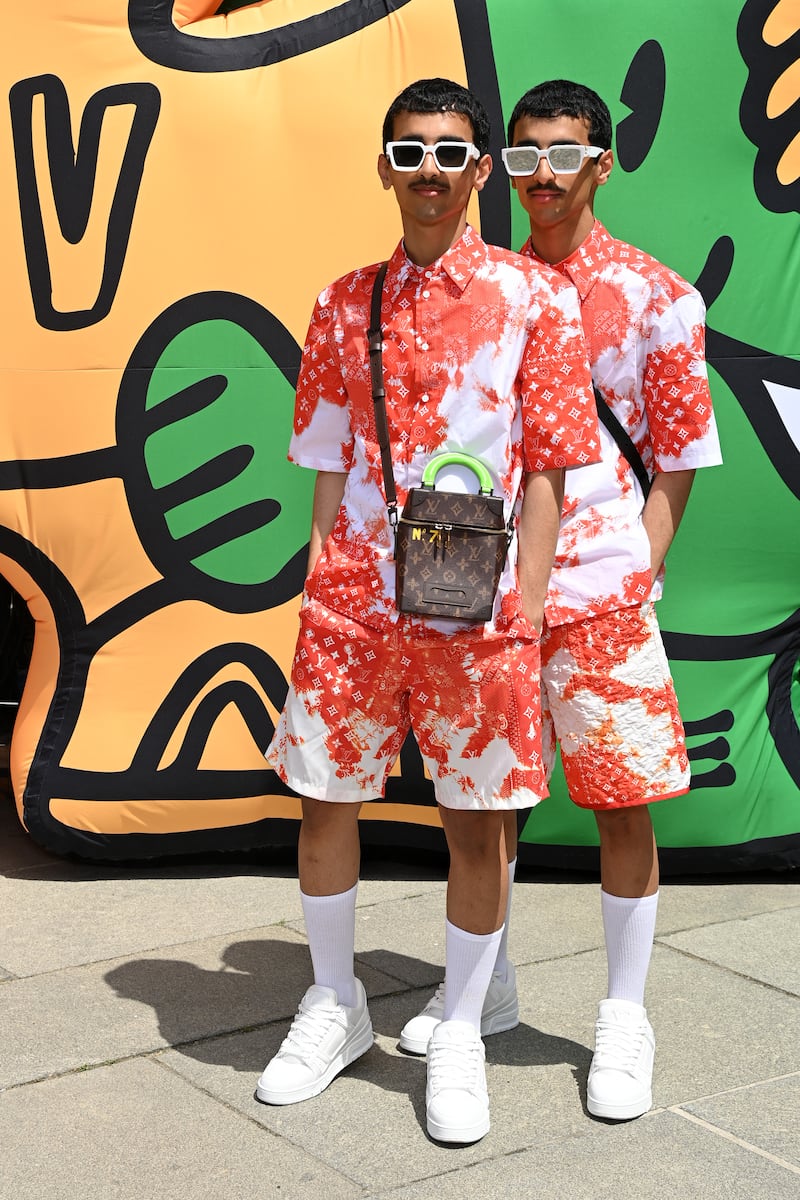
point(628, 855)
point(328, 852)
point(510, 831)
point(477, 887)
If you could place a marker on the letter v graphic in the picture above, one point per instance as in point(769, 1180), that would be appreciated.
point(72, 180)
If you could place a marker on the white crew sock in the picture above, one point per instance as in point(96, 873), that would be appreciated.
point(629, 924)
point(331, 930)
point(470, 959)
point(501, 966)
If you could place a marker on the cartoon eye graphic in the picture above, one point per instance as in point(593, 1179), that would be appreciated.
point(643, 93)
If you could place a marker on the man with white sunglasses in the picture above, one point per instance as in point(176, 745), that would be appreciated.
point(483, 353)
point(608, 697)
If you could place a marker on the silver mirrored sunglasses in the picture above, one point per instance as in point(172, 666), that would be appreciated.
point(562, 160)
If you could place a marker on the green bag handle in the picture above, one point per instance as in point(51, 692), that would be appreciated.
point(457, 458)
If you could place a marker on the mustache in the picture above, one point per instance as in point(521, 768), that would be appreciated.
point(430, 181)
point(545, 187)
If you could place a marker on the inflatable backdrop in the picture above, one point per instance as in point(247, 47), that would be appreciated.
point(179, 181)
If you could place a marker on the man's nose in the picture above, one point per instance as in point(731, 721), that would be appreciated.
point(543, 168)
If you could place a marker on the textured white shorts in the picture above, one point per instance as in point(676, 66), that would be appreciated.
point(609, 700)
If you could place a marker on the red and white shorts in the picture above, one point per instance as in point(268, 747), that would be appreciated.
point(474, 706)
point(609, 700)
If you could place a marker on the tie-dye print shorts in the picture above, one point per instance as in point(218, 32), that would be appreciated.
point(474, 706)
point(608, 698)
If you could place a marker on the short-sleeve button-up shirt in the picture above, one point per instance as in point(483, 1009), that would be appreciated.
point(483, 352)
point(645, 334)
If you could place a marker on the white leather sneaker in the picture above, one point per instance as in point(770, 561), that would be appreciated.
point(621, 1074)
point(500, 1012)
point(324, 1038)
point(456, 1097)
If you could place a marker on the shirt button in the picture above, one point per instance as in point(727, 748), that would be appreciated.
point(426, 295)
point(424, 398)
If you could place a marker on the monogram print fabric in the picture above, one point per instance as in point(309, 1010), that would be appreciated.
point(645, 334)
point(474, 706)
point(484, 353)
point(608, 691)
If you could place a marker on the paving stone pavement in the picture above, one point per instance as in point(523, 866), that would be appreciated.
point(139, 1005)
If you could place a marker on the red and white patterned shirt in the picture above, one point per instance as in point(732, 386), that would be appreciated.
point(483, 353)
point(645, 333)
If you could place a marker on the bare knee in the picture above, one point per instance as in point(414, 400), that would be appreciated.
point(477, 885)
point(328, 848)
point(324, 816)
point(625, 825)
point(473, 835)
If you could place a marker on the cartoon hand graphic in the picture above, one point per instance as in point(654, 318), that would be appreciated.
point(717, 749)
point(768, 43)
point(205, 412)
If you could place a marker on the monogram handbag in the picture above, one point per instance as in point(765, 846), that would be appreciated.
point(450, 547)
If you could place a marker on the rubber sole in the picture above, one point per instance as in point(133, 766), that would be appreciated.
point(444, 1133)
point(619, 1112)
point(500, 1022)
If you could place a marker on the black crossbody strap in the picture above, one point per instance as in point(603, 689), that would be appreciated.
point(624, 442)
point(375, 341)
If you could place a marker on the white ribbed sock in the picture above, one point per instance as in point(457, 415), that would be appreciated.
point(331, 930)
point(629, 924)
point(501, 966)
point(470, 959)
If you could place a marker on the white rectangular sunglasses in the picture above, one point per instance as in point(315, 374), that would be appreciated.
point(448, 156)
point(562, 160)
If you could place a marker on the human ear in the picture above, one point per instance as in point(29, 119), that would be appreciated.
point(383, 172)
point(604, 164)
point(483, 169)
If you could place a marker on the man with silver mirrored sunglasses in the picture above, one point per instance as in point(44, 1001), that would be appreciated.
point(607, 694)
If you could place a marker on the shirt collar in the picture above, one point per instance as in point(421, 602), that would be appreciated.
point(459, 263)
point(581, 267)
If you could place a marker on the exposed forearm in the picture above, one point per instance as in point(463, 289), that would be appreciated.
point(328, 493)
point(663, 511)
point(538, 534)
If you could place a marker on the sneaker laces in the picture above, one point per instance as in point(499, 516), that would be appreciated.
point(618, 1045)
point(306, 1032)
point(452, 1066)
